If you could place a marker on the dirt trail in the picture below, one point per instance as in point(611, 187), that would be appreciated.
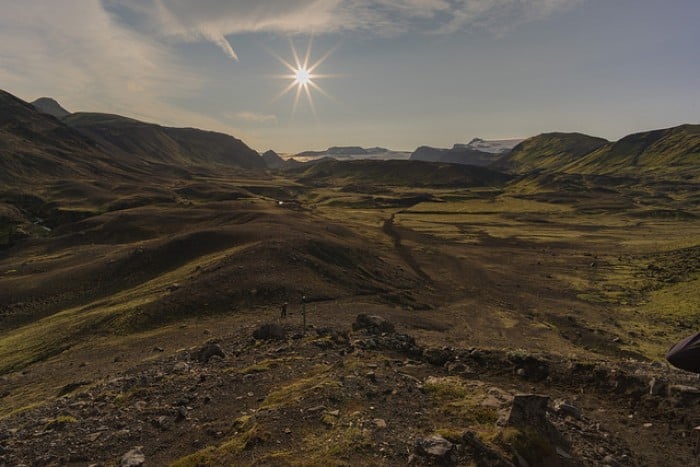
point(405, 254)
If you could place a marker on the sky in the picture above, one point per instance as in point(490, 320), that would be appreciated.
point(390, 73)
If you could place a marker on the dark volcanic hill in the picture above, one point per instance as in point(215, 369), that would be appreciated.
point(158, 144)
point(549, 152)
point(34, 145)
point(400, 173)
point(669, 152)
point(49, 106)
point(272, 159)
point(456, 155)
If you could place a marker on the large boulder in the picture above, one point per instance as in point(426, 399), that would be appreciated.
point(535, 441)
point(529, 411)
point(133, 458)
point(209, 350)
point(436, 449)
point(373, 324)
point(270, 332)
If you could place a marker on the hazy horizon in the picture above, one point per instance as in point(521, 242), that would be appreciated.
point(396, 74)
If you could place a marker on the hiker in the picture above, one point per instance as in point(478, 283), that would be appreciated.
point(283, 311)
point(686, 354)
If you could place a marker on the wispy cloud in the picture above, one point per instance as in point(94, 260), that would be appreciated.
point(213, 20)
point(252, 117)
point(74, 50)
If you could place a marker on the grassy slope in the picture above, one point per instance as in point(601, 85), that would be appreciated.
point(548, 151)
point(400, 173)
point(672, 152)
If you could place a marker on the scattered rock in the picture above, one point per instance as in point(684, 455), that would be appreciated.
point(681, 389)
point(161, 423)
point(373, 324)
point(133, 458)
point(657, 387)
point(437, 449)
point(566, 408)
point(528, 366)
point(318, 408)
point(338, 337)
point(561, 453)
point(209, 350)
point(181, 367)
point(70, 387)
point(437, 357)
point(380, 423)
point(270, 332)
point(486, 454)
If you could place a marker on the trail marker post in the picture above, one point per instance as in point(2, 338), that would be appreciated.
point(303, 312)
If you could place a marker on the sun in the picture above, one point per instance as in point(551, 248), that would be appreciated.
point(303, 76)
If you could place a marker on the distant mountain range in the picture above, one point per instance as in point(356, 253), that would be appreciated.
point(477, 152)
point(44, 139)
point(350, 153)
point(494, 146)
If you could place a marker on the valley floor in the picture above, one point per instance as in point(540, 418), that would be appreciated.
point(590, 280)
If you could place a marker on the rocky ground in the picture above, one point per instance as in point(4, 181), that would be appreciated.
point(366, 396)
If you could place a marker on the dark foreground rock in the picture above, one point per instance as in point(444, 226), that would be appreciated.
point(270, 332)
point(133, 458)
point(373, 324)
point(209, 350)
point(437, 450)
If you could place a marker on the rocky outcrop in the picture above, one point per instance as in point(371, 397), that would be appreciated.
point(209, 350)
point(372, 324)
point(270, 332)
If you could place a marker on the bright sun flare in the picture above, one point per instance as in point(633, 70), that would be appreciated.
point(303, 76)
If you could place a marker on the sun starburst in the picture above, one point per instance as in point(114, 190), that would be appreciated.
point(303, 76)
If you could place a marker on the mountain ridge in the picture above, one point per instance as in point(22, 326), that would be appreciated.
point(161, 144)
point(50, 106)
point(548, 152)
point(667, 151)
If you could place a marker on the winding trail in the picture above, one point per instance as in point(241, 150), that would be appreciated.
point(405, 254)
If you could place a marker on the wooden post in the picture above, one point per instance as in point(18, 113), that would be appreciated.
point(303, 312)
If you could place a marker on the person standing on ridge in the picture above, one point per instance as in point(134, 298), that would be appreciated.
point(283, 311)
